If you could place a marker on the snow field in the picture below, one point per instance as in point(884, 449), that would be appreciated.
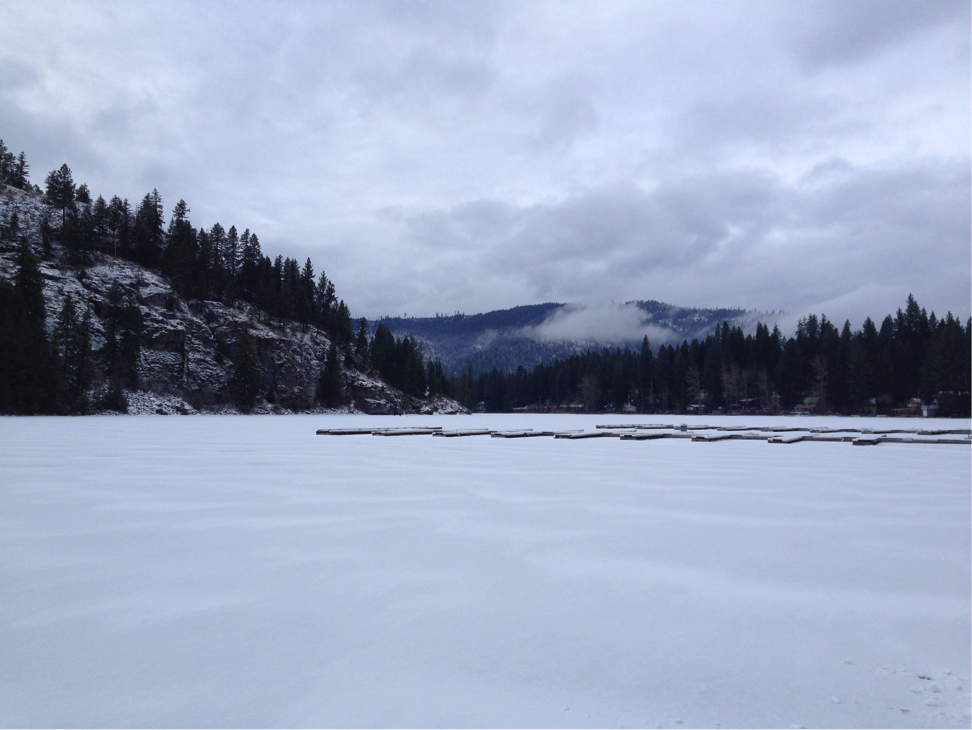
point(229, 570)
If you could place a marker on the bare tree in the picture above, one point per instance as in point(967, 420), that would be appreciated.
point(693, 384)
point(731, 377)
point(589, 393)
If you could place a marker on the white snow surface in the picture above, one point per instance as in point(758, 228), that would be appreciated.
point(243, 571)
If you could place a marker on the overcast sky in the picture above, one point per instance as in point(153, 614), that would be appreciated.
point(434, 157)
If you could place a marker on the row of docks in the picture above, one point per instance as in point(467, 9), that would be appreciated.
point(695, 432)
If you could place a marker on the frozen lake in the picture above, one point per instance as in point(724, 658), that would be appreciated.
point(241, 571)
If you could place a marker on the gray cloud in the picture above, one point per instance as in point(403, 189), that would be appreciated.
point(835, 33)
point(435, 156)
point(822, 241)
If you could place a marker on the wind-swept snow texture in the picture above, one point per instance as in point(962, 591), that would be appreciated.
point(242, 571)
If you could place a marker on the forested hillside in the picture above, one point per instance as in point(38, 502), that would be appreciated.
point(823, 368)
point(509, 338)
point(98, 300)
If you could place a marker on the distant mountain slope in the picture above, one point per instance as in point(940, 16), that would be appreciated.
point(528, 335)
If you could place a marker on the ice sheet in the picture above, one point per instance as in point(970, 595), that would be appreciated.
point(232, 570)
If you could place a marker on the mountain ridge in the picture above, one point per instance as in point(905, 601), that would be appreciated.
point(531, 334)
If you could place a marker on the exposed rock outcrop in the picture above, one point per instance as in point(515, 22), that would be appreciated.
point(186, 346)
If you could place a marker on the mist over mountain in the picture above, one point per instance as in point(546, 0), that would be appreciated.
point(536, 333)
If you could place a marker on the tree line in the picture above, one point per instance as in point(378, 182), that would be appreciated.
point(872, 369)
point(212, 263)
point(821, 369)
point(14, 170)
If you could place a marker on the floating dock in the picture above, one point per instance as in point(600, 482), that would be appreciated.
point(694, 432)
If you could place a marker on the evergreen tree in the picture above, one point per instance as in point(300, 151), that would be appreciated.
point(383, 352)
point(340, 325)
point(231, 260)
point(13, 170)
point(148, 234)
point(465, 389)
point(46, 235)
point(330, 391)
point(244, 381)
point(78, 233)
point(72, 342)
point(307, 294)
point(30, 367)
point(361, 341)
point(12, 230)
point(21, 174)
point(119, 226)
point(326, 301)
point(6, 165)
point(123, 328)
point(646, 372)
point(99, 217)
point(60, 190)
point(179, 260)
point(83, 194)
point(217, 261)
point(412, 368)
point(250, 256)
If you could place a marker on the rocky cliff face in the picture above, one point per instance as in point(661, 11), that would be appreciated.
point(186, 346)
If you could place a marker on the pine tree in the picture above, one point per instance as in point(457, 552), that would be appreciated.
point(326, 300)
point(412, 368)
point(361, 341)
point(646, 372)
point(330, 391)
point(244, 381)
point(31, 366)
point(217, 260)
point(231, 260)
point(179, 259)
point(6, 165)
point(383, 352)
point(60, 190)
point(72, 342)
point(465, 388)
point(78, 234)
point(12, 231)
point(99, 219)
point(21, 174)
point(83, 195)
point(119, 225)
point(340, 325)
point(123, 328)
point(13, 170)
point(7, 340)
point(149, 235)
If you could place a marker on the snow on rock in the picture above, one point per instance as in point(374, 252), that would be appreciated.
point(186, 346)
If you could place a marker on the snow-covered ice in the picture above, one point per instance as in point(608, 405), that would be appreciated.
point(232, 570)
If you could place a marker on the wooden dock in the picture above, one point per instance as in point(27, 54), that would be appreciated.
point(695, 432)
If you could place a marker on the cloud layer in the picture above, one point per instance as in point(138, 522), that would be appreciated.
point(436, 156)
point(601, 323)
